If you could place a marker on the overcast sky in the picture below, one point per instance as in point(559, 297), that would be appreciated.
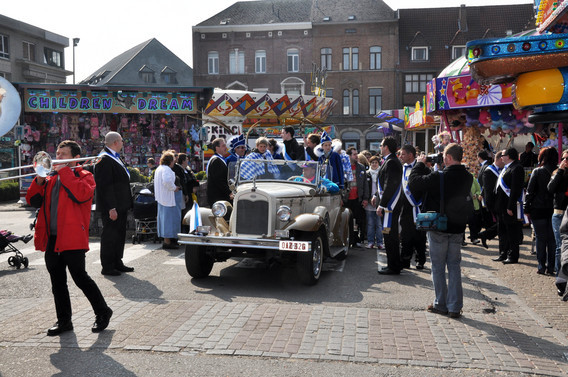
point(109, 27)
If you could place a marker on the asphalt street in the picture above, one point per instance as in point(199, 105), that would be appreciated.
point(251, 319)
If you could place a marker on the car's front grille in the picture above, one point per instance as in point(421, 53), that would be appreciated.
point(252, 217)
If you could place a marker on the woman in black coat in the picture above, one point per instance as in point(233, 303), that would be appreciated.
point(539, 205)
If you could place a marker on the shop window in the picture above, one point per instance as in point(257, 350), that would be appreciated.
point(293, 55)
point(53, 57)
point(375, 57)
point(28, 51)
point(326, 58)
point(213, 62)
point(419, 53)
point(416, 83)
point(375, 100)
point(458, 51)
point(236, 61)
point(4, 47)
point(260, 61)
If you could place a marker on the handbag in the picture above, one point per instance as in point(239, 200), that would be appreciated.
point(433, 220)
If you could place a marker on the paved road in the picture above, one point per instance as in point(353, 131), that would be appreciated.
point(248, 315)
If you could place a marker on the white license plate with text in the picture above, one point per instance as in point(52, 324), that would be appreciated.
point(294, 246)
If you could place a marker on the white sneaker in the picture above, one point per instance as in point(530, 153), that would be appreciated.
point(370, 245)
point(380, 246)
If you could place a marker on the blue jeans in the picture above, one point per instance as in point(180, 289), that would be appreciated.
point(374, 228)
point(556, 220)
point(445, 251)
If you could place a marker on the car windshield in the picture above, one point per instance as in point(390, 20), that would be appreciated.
point(277, 170)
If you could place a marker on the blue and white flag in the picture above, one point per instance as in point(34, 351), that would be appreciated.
point(194, 217)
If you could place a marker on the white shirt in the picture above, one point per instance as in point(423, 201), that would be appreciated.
point(165, 186)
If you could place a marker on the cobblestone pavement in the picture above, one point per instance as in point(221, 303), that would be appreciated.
point(521, 329)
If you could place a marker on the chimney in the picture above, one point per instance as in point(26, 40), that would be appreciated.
point(462, 18)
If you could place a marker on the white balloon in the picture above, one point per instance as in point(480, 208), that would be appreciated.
point(10, 106)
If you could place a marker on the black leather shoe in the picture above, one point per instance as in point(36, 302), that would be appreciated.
point(125, 269)
point(419, 266)
point(509, 261)
point(484, 242)
point(500, 258)
point(101, 322)
point(59, 328)
point(560, 288)
point(110, 272)
point(388, 271)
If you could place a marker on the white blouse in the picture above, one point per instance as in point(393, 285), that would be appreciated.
point(165, 186)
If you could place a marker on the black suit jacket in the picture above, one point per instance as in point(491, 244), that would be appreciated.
point(217, 181)
point(514, 178)
point(390, 178)
point(489, 183)
point(480, 174)
point(113, 185)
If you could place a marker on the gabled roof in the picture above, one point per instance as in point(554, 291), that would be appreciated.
point(262, 12)
point(150, 56)
point(456, 26)
point(343, 10)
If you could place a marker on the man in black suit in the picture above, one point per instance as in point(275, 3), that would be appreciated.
point(217, 174)
point(389, 205)
point(490, 176)
point(507, 193)
point(114, 199)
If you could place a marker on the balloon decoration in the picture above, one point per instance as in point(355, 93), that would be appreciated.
point(10, 106)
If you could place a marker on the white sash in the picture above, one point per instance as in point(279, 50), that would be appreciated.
point(118, 160)
point(211, 159)
point(415, 203)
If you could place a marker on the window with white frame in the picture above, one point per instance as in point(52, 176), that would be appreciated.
point(419, 53)
point(293, 55)
point(53, 57)
point(213, 62)
point(4, 47)
point(326, 58)
point(375, 100)
point(236, 61)
point(416, 82)
point(260, 61)
point(28, 51)
point(458, 51)
point(375, 57)
point(346, 102)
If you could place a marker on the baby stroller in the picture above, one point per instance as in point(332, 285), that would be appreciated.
point(145, 212)
point(6, 239)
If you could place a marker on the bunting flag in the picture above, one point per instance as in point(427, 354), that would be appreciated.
point(194, 217)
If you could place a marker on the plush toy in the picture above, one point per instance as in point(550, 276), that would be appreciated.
point(26, 150)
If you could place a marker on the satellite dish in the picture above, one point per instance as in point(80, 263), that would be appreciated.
point(10, 106)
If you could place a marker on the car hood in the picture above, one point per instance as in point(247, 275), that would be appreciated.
point(278, 189)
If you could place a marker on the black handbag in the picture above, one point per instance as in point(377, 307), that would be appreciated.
point(434, 220)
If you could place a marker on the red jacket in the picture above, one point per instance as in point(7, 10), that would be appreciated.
point(73, 213)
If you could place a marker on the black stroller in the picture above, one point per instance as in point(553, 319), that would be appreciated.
point(6, 239)
point(145, 213)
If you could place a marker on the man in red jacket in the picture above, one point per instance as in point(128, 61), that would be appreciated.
point(62, 230)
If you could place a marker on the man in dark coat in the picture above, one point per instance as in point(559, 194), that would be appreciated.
point(445, 246)
point(389, 205)
point(293, 150)
point(508, 191)
point(217, 174)
point(490, 176)
point(113, 200)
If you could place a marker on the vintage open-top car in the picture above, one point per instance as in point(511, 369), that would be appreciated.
point(282, 210)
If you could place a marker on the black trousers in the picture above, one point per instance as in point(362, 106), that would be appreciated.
point(113, 237)
point(392, 241)
point(411, 239)
point(509, 240)
point(358, 217)
point(74, 260)
point(491, 224)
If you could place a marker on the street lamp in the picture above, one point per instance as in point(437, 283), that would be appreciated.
point(75, 43)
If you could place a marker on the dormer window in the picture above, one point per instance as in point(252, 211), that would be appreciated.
point(147, 74)
point(169, 75)
point(419, 54)
point(351, 18)
point(326, 19)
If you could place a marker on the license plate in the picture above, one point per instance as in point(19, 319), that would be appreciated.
point(293, 245)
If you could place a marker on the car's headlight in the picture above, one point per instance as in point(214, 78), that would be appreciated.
point(284, 213)
point(219, 209)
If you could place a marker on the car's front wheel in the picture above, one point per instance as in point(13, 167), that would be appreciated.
point(310, 264)
point(197, 262)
